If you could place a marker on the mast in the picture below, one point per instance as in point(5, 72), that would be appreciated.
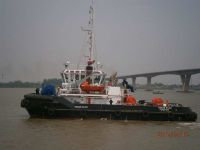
point(90, 23)
point(89, 30)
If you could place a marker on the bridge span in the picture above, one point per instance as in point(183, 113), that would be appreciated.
point(185, 76)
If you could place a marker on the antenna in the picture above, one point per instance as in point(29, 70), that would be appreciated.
point(89, 30)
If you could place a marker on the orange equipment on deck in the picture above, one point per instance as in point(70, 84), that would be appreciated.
point(157, 101)
point(85, 86)
point(130, 100)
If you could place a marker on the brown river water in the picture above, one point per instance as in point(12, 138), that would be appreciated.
point(19, 132)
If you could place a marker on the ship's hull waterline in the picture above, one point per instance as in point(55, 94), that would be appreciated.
point(60, 107)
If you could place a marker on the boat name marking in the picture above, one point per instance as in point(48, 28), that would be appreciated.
point(81, 107)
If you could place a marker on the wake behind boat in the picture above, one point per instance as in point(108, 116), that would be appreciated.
point(86, 93)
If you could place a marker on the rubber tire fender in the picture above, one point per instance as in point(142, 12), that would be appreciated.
point(145, 115)
point(51, 111)
point(25, 103)
point(118, 114)
point(83, 113)
point(170, 116)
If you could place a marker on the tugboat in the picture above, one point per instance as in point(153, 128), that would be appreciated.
point(86, 93)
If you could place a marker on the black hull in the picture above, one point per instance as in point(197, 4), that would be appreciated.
point(59, 107)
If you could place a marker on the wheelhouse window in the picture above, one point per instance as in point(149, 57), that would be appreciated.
point(66, 77)
point(97, 79)
point(77, 76)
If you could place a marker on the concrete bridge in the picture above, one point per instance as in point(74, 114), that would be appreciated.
point(185, 76)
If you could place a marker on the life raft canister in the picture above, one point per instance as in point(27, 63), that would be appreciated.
point(130, 100)
point(157, 101)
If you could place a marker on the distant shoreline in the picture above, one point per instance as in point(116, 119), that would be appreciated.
point(21, 84)
point(58, 82)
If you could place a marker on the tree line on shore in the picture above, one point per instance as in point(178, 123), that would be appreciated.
point(57, 82)
point(21, 84)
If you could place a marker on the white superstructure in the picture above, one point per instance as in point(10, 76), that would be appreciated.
point(88, 85)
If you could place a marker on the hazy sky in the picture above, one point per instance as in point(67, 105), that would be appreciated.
point(132, 36)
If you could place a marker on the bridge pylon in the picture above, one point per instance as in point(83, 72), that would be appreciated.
point(148, 87)
point(134, 82)
point(185, 79)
